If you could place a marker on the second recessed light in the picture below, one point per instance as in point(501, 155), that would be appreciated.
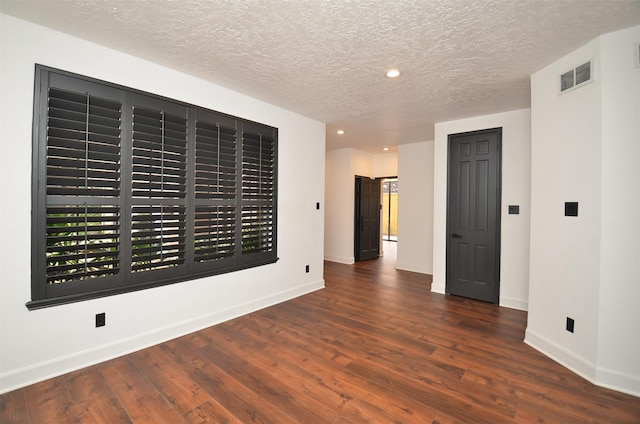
point(393, 73)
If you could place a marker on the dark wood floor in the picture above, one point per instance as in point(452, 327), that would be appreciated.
point(374, 346)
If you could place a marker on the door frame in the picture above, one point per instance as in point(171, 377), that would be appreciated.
point(498, 131)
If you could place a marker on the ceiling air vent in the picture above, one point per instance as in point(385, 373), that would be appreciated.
point(576, 77)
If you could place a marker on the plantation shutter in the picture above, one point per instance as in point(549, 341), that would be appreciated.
point(158, 186)
point(79, 222)
point(258, 190)
point(132, 190)
point(215, 188)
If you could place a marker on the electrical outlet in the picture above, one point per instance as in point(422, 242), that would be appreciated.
point(317, 205)
point(306, 268)
point(101, 320)
point(570, 324)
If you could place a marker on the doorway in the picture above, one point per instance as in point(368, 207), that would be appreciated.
point(390, 209)
point(367, 219)
point(473, 215)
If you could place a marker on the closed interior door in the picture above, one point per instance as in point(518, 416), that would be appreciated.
point(367, 219)
point(473, 215)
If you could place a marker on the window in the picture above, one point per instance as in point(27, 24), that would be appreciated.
point(132, 191)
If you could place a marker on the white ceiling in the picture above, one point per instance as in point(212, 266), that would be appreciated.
point(326, 59)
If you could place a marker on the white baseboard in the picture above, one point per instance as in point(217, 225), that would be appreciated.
point(598, 376)
point(437, 287)
point(16, 379)
point(513, 303)
point(617, 381)
point(406, 266)
point(341, 260)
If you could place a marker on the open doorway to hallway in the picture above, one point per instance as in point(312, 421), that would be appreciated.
point(389, 219)
point(389, 209)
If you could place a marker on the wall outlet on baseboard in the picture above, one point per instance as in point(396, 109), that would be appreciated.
point(570, 324)
point(101, 320)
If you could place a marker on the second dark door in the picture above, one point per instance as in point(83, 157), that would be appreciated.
point(473, 215)
point(367, 219)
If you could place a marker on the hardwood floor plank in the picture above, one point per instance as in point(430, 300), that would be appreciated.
point(245, 404)
point(302, 408)
point(170, 379)
point(13, 408)
point(100, 410)
point(210, 412)
point(384, 346)
point(326, 361)
point(141, 400)
point(276, 361)
point(50, 402)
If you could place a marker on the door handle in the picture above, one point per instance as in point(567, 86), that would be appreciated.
point(456, 235)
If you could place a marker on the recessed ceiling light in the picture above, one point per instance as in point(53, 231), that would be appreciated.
point(386, 149)
point(340, 132)
point(393, 73)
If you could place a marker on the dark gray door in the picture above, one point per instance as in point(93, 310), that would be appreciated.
point(473, 215)
point(367, 219)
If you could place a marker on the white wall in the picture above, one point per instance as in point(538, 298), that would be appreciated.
point(516, 186)
point(342, 166)
point(35, 345)
point(385, 165)
point(339, 204)
point(415, 207)
point(619, 295)
point(565, 251)
point(585, 149)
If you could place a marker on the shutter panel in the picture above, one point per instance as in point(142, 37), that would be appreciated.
point(258, 178)
point(159, 175)
point(83, 145)
point(159, 154)
point(215, 187)
point(82, 242)
point(215, 161)
point(82, 174)
point(158, 237)
point(214, 233)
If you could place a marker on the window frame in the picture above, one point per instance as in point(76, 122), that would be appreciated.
point(261, 171)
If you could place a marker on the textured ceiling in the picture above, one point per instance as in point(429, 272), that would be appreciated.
point(327, 59)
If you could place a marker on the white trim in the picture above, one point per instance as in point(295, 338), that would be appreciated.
point(438, 287)
point(406, 266)
point(52, 368)
point(341, 260)
point(582, 367)
point(513, 303)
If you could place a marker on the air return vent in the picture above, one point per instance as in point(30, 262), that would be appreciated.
point(576, 77)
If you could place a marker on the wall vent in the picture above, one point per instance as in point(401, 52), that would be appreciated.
point(576, 77)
